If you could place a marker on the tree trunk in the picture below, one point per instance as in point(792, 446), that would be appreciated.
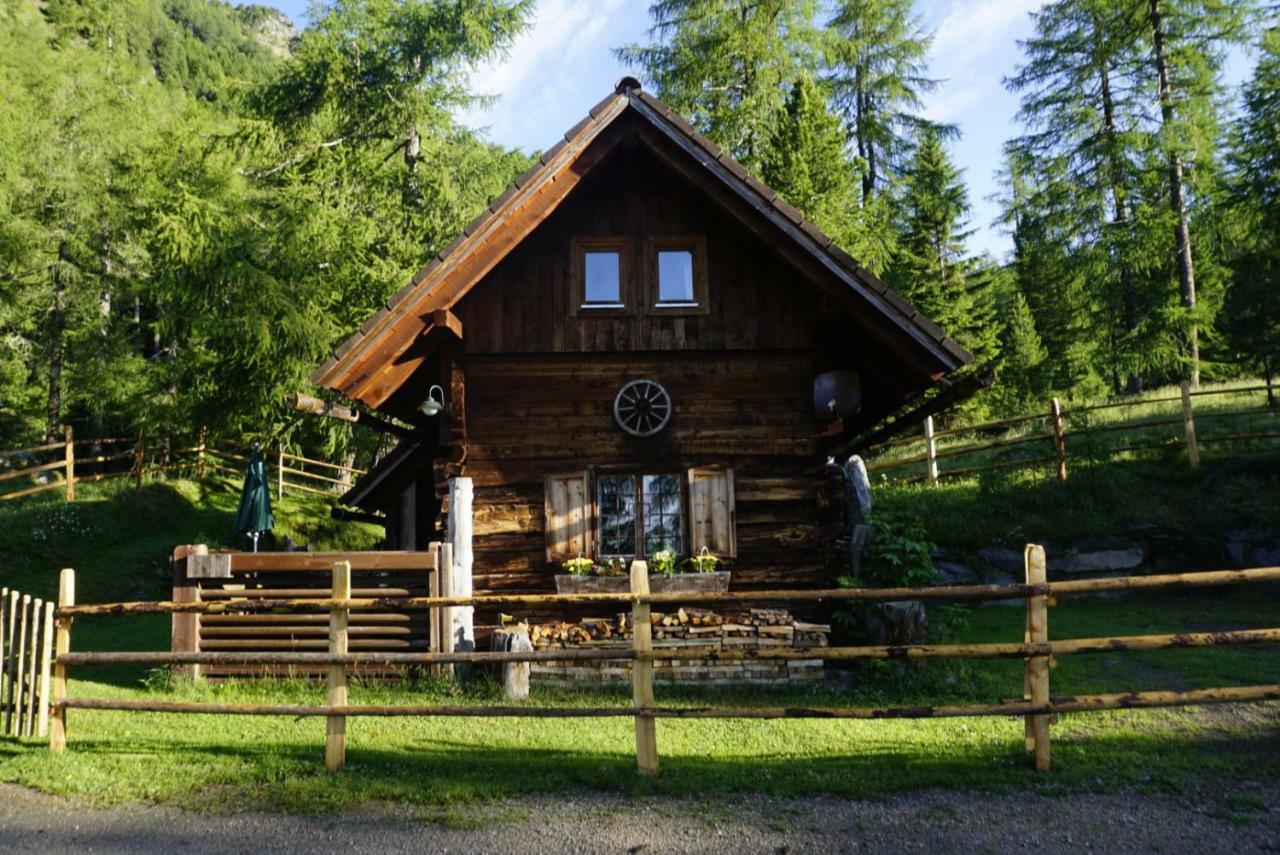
point(57, 326)
point(1121, 220)
point(1177, 192)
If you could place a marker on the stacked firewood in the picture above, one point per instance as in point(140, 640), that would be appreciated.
point(752, 627)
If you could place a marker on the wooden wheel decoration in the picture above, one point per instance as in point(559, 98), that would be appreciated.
point(642, 407)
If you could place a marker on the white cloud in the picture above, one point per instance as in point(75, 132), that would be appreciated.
point(568, 39)
point(973, 48)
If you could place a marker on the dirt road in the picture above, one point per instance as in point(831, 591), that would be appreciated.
point(1243, 819)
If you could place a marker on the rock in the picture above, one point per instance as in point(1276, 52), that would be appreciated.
point(954, 572)
point(857, 484)
point(859, 540)
point(1003, 559)
point(897, 622)
point(1101, 561)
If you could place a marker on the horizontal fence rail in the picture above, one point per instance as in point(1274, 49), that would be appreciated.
point(1036, 649)
point(1071, 433)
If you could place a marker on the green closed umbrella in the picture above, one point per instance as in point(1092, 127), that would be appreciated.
point(254, 516)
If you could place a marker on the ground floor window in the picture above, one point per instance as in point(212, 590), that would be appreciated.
point(640, 509)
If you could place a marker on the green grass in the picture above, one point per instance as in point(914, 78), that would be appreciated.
point(1092, 438)
point(119, 542)
point(1099, 500)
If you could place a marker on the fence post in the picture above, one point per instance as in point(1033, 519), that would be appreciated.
point(70, 436)
point(200, 455)
point(642, 673)
point(1037, 667)
point(335, 743)
point(46, 672)
point(61, 645)
point(33, 668)
point(1059, 438)
point(1189, 425)
point(280, 472)
point(434, 614)
point(139, 458)
point(4, 644)
point(930, 452)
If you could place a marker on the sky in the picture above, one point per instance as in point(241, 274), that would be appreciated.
point(564, 64)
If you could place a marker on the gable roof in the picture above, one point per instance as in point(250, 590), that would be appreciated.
point(372, 363)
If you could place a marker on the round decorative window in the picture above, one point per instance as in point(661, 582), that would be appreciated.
point(642, 407)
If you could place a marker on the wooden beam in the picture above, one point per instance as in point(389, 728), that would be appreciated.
point(475, 256)
point(304, 403)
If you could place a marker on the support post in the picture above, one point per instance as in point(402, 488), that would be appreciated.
point(33, 668)
point(61, 645)
point(185, 626)
point(1037, 667)
point(1059, 438)
point(280, 472)
point(46, 672)
point(1189, 425)
point(335, 744)
point(446, 612)
point(642, 674)
point(461, 627)
point(435, 615)
point(930, 453)
point(70, 436)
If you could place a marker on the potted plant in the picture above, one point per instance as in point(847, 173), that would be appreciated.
point(612, 575)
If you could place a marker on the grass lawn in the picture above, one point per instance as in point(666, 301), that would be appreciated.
point(119, 541)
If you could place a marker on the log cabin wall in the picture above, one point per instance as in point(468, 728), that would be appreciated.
point(540, 382)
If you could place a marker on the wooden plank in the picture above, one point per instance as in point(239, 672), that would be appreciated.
point(61, 645)
point(335, 750)
point(70, 462)
point(642, 674)
point(13, 716)
point(33, 668)
point(46, 672)
point(286, 562)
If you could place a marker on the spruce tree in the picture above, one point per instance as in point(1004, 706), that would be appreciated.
point(805, 161)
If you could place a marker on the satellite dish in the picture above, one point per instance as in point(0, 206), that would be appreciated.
point(837, 395)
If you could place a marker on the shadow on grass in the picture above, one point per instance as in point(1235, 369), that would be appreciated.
point(289, 775)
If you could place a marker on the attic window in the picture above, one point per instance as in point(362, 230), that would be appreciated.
point(600, 275)
point(677, 275)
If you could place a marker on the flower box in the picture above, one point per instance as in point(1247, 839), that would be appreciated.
point(684, 583)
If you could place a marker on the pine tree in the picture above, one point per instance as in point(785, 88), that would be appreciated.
point(1022, 381)
point(805, 161)
point(725, 64)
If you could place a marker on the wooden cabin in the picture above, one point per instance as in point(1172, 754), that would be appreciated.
point(637, 347)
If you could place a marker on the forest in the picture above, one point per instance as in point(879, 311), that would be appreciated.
point(198, 201)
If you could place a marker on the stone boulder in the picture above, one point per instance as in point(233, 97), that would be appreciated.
point(897, 622)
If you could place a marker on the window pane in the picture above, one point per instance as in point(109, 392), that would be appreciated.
point(675, 277)
point(617, 514)
point(603, 279)
point(661, 513)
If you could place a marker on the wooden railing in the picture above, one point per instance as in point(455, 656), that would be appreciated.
point(26, 655)
point(223, 459)
point(1064, 431)
point(1036, 648)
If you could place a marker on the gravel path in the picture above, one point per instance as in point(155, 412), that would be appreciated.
point(1242, 819)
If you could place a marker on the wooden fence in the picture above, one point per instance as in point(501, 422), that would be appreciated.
point(225, 459)
point(1036, 649)
point(26, 656)
point(1064, 429)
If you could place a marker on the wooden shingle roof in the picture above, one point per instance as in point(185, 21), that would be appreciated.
point(372, 363)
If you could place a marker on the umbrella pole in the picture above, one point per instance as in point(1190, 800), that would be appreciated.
point(253, 535)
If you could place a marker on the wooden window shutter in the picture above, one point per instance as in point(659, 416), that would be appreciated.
point(570, 516)
point(712, 519)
